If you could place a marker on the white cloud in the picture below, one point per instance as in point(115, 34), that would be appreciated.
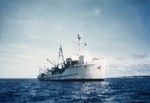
point(128, 66)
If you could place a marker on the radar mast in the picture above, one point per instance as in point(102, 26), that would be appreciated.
point(60, 55)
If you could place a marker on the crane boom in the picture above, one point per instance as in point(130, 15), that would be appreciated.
point(50, 61)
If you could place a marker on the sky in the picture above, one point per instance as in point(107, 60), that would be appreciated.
point(115, 30)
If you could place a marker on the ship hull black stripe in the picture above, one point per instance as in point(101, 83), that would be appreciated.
point(77, 80)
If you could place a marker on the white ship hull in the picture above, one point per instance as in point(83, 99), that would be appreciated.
point(86, 72)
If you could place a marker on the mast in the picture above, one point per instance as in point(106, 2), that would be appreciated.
point(79, 44)
point(60, 55)
point(81, 56)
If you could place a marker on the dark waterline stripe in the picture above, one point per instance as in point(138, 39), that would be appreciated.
point(76, 80)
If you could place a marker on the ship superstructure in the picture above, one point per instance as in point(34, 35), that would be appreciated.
point(74, 70)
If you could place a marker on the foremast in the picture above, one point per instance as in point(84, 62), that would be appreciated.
point(80, 56)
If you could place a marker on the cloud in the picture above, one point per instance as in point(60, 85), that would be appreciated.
point(94, 12)
point(139, 56)
point(126, 66)
point(97, 11)
point(120, 58)
point(130, 70)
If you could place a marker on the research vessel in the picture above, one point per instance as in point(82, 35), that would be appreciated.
point(74, 70)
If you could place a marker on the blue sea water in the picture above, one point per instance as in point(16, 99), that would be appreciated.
point(112, 90)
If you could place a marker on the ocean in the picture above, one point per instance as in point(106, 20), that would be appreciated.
point(112, 90)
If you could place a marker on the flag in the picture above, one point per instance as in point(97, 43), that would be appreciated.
point(79, 36)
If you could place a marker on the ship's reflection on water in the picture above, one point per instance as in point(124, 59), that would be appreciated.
point(110, 90)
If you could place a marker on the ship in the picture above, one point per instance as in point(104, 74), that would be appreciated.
point(74, 70)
